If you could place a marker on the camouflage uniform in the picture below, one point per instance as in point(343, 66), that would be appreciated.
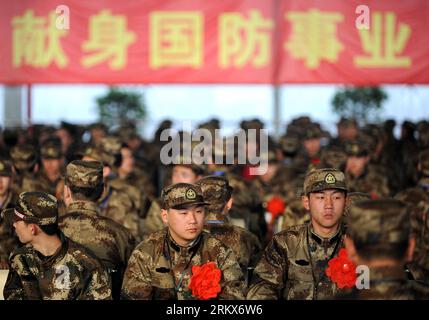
point(159, 268)
point(107, 239)
point(116, 202)
point(293, 264)
point(8, 239)
point(50, 149)
point(72, 272)
point(418, 200)
point(153, 221)
point(244, 244)
point(371, 181)
point(377, 225)
point(24, 157)
point(295, 214)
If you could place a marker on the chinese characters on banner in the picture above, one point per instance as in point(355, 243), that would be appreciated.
point(202, 41)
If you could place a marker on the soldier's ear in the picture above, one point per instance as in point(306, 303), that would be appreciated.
point(306, 202)
point(164, 216)
point(106, 171)
point(229, 204)
point(411, 247)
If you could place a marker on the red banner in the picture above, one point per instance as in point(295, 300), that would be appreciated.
point(222, 41)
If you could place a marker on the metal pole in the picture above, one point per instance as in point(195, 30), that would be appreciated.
point(276, 66)
point(29, 106)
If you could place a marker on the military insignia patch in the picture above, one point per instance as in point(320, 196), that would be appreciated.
point(330, 178)
point(190, 194)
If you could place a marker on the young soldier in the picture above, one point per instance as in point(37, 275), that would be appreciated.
point(294, 262)
point(107, 239)
point(161, 266)
point(50, 266)
point(246, 246)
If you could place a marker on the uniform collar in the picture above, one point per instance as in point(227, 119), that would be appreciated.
point(319, 240)
point(216, 218)
point(58, 255)
point(184, 251)
point(85, 207)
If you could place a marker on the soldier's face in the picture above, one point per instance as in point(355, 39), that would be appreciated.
point(127, 164)
point(312, 146)
point(183, 175)
point(52, 166)
point(184, 224)
point(23, 231)
point(356, 165)
point(4, 185)
point(325, 207)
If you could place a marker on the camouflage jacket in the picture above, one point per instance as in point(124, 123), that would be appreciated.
point(108, 240)
point(72, 273)
point(41, 182)
point(153, 221)
point(243, 243)
point(293, 266)
point(8, 239)
point(160, 269)
point(385, 284)
point(119, 206)
point(371, 182)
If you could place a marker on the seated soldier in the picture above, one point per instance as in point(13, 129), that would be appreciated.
point(50, 266)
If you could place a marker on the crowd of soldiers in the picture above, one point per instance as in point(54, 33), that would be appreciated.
point(91, 213)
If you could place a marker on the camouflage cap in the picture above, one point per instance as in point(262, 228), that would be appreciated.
point(99, 154)
point(180, 195)
point(357, 148)
point(322, 179)
point(5, 168)
point(23, 156)
point(312, 132)
point(354, 197)
point(424, 162)
point(333, 157)
point(84, 174)
point(111, 145)
point(35, 207)
point(289, 144)
point(347, 122)
point(216, 191)
point(51, 149)
point(384, 221)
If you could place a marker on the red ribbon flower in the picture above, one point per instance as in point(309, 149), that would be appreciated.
point(205, 281)
point(341, 270)
point(275, 206)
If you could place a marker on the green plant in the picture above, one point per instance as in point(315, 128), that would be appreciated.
point(119, 107)
point(363, 103)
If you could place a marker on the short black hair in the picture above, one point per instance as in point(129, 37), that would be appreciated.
point(50, 229)
point(87, 194)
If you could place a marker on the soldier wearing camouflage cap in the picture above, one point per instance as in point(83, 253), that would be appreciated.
point(8, 240)
point(294, 262)
point(183, 170)
point(25, 165)
point(378, 236)
point(34, 267)
point(161, 266)
point(118, 202)
point(361, 176)
point(417, 198)
point(48, 178)
point(246, 246)
point(82, 222)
